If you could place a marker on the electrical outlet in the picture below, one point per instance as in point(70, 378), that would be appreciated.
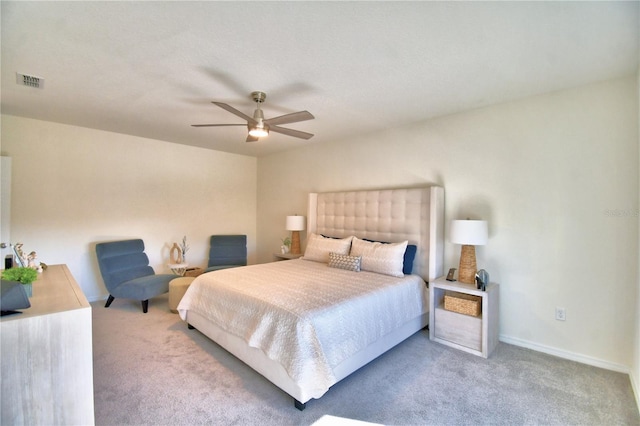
point(561, 314)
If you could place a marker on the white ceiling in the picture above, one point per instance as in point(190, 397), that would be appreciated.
point(151, 69)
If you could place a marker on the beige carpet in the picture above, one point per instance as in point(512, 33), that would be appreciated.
point(150, 369)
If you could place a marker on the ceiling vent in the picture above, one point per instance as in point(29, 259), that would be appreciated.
point(29, 81)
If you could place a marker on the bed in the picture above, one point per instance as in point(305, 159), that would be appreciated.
point(306, 324)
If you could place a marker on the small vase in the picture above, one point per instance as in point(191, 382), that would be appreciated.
point(28, 288)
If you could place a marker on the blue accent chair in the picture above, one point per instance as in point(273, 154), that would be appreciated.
point(125, 269)
point(227, 251)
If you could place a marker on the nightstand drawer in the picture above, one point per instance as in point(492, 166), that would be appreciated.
point(458, 328)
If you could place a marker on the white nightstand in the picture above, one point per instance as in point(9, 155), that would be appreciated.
point(476, 335)
point(286, 256)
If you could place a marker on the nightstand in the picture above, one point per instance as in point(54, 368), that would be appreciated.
point(477, 335)
point(286, 256)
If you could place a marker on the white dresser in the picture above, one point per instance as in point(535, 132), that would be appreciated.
point(47, 356)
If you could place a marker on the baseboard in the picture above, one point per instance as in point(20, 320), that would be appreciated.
point(568, 355)
point(100, 298)
point(578, 358)
point(636, 389)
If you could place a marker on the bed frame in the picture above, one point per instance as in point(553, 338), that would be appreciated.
point(391, 215)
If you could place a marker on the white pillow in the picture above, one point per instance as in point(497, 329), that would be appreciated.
point(381, 258)
point(319, 247)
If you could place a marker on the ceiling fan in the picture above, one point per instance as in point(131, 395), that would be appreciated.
point(258, 126)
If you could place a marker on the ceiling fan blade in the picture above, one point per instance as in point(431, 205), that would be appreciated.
point(216, 125)
point(291, 132)
point(252, 139)
point(294, 117)
point(234, 111)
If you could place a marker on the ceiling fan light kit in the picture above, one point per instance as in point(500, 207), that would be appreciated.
point(259, 127)
point(258, 132)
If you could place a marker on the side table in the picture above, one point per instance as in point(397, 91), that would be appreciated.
point(286, 256)
point(477, 335)
point(178, 268)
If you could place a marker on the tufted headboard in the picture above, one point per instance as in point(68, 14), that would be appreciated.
point(391, 215)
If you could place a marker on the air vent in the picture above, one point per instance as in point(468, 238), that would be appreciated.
point(29, 81)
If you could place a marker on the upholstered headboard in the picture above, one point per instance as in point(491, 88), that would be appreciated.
point(391, 215)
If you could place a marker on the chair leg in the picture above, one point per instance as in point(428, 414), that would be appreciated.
point(109, 300)
point(145, 306)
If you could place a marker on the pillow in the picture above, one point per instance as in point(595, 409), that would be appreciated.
point(385, 259)
point(409, 256)
point(319, 247)
point(343, 261)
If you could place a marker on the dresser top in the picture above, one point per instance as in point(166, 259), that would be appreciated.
point(55, 290)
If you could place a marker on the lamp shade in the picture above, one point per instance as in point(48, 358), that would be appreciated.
point(469, 232)
point(295, 223)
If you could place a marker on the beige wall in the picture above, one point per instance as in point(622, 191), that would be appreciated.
point(74, 187)
point(556, 176)
point(635, 371)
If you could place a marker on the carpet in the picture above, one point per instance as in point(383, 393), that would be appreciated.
point(149, 369)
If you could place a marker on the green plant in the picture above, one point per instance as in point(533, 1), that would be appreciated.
point(286, 242)
point(21, 274)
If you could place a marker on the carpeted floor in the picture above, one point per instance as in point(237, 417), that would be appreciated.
point(149, 369)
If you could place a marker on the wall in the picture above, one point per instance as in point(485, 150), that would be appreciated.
point(73, 187)
point(635, 371)
point(556, 176)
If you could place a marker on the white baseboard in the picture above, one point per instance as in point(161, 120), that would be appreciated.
point(568, 355)
point(636, 389)
point(579, 358)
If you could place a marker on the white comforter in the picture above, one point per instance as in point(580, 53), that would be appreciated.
point(305, 315)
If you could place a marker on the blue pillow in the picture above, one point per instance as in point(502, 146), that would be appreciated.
point(409, 256)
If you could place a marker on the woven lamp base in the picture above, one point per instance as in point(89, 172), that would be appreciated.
point(468, 268)
point(295, 242)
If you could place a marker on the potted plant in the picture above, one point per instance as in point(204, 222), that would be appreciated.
point(286, 245)
point(22, 274)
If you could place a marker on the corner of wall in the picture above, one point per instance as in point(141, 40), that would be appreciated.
point(635, 368)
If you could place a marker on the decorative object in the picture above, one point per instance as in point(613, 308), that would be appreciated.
point(22, 274)
point(343, 261)
point(482, 280)
point(193, 272)
point(21, 258)
point(175, 254)
point(451, 274)
point(462, 303)
point(286, 245)
point(184, 248)
point(295, 224)
point(469, 233)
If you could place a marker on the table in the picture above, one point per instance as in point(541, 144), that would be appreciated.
point(476, 335)
point(178, 268)
point(286, 256)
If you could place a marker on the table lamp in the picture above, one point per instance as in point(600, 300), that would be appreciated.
point(295, 224)
point(469, 233)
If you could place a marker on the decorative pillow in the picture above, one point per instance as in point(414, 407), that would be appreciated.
point(409, 256)
point(343, 261)
point(319, 247)
point(385, 259)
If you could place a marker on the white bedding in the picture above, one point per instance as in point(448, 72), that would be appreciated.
point(304, 315)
